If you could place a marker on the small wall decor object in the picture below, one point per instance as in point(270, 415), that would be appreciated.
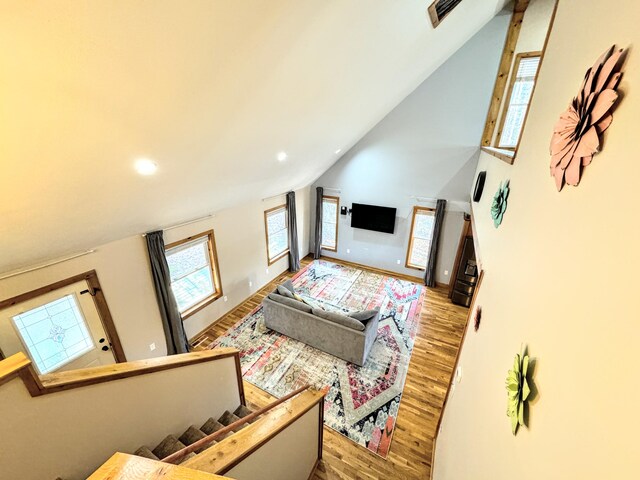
point(499, 205)
point(576, 136)
point(477, 191)
point(477, 316)
point(518, 390)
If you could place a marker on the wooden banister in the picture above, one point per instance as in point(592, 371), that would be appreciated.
point(130, 467)
point(177, 456)
point(20, 365)
point(223, 456)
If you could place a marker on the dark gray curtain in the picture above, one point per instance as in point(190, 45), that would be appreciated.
point(171, 320)
point(430, 274)
point(317, 238)
point(294, 256)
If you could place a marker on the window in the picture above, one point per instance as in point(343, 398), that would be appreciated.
point(54, 334)
point(195, 276)
point(330, 208)
point(276, 225)
point(514, 112)
point(420, 238)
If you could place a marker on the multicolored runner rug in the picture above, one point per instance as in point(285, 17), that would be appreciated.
point(362, 402)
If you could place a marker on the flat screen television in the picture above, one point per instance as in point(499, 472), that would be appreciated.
point(373, 217)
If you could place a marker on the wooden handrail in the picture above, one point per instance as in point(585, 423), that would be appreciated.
point(177, 456)
point(130, 467)
point(226, 454)
point(20, 365)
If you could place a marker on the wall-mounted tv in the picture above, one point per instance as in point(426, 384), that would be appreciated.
point(373, 217)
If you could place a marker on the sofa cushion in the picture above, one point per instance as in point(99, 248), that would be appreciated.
point(365, 315)
point(339, 318)
point(289, 302)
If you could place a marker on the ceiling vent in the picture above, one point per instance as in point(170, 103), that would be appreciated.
point(439, 9)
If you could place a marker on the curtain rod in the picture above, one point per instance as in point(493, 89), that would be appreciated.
point(183, 224)
point(49, 264)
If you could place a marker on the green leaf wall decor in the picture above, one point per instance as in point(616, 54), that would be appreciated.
point(518, 390)
point(499, 205)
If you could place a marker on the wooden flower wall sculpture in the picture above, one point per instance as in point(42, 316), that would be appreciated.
point(499, 204)
point(576, 136)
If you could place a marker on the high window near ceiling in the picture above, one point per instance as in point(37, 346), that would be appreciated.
point(195, 276)
point(420, 236)
point(276, 227)
point(523, 80)
point(330, 211)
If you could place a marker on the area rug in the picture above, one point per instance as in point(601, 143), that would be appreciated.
point(361, 402)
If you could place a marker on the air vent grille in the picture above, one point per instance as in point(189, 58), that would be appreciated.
point(439, 9)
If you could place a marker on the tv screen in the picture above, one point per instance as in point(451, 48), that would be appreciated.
point(372, 217)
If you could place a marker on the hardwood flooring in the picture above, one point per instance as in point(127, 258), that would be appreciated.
point(433, 359)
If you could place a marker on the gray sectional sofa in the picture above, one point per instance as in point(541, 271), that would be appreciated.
point(349, 337)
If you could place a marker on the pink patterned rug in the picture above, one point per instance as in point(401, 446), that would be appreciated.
point(362, 402)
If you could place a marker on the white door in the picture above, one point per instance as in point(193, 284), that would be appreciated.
point(60, 330)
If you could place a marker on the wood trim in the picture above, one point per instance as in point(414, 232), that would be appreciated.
point(503, 74)
point(337, 199)
point(57, 382)
point(223, 456)
point(271, 261)
point(122, 466)
point(544, 50)
point(416, 209)
point(389, 273)
point(507, 97)
point(456, 264)
point(11, 367)
point(213, 265)
point(243, 400)
point(203, 442)
point(453, 372)
point(507, 156)
point(99, 300)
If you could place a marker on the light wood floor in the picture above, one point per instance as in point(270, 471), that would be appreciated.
point(436, 346)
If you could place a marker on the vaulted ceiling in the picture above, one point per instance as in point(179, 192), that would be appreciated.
point(209, 89)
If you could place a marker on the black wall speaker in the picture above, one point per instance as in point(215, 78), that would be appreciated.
point(477, 192)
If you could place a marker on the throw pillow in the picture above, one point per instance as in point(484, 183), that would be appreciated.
point(290, 302)
point(285, 292)
point(365, 315)
point(339, 318)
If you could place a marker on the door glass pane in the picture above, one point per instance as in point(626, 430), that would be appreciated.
point(54, 334)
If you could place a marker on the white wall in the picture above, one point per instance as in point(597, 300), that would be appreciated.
point(71, 433)
point(428, 147)
point(123, 271)
point(561, 278)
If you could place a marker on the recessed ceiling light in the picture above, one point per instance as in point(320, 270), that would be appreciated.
point(145, 166)
point(338, 151)
point(282, 156)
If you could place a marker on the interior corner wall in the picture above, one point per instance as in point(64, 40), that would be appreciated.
point(561, 279)
point(427, 146)
point(124, 273)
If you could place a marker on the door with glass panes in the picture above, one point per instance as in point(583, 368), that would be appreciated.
point(59, 330)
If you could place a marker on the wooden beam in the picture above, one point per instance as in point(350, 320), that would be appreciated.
point(521, 6)
point(503, 74)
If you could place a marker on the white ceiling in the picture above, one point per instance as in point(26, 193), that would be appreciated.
point(211, 90)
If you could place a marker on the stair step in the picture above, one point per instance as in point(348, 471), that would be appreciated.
point(212, 425)
point(168, 446)
point(242, 411)
point(228, 418)
point(187, 457)
point(192, 435)
point(145, 452)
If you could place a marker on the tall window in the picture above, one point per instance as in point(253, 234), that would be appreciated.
point(276, 226)
point(523, 80)
point(195, 276)
point(330, 207)
point(420, 237)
